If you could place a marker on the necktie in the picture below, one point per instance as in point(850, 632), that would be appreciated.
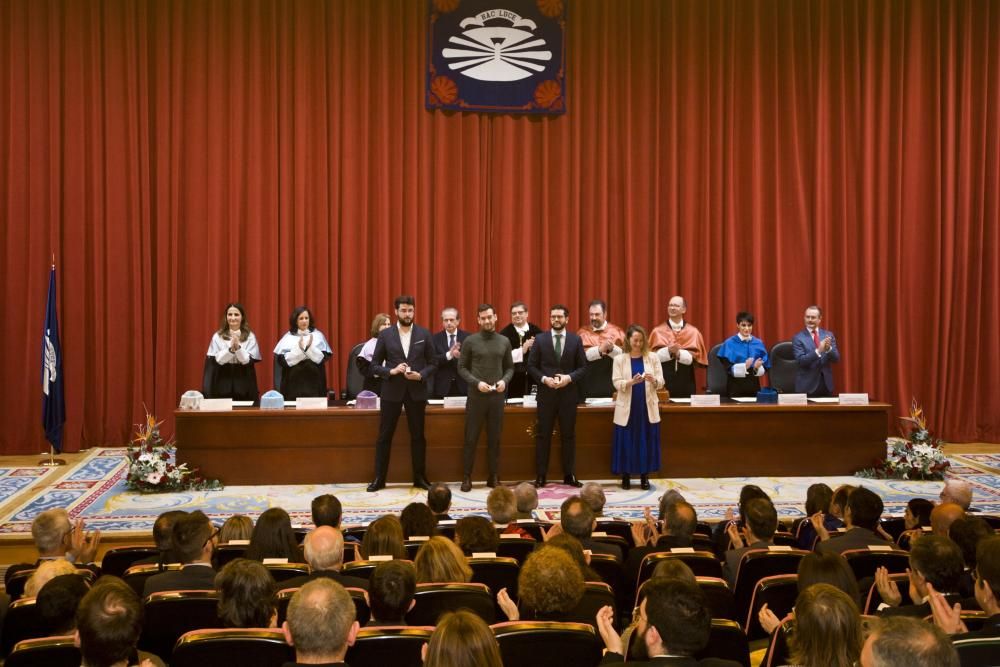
point(816, 338)
point(558, 346)
point(451, 341)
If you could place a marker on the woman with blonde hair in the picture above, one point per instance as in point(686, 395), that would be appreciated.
point(236, 527)
point(384, 537)
point(440, 560)
point(827, 628)
point(462, 639)
point(44, 573)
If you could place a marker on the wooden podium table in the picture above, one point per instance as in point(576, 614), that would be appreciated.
point(337, 445)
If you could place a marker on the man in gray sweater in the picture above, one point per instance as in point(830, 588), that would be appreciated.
point(486, 366)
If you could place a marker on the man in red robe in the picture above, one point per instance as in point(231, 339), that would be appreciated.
point(679, 347)
point(601, 341)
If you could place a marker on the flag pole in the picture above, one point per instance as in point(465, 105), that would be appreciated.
point(52, 462)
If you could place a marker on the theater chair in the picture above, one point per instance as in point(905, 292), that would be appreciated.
point(17, 581)
point(596, 595)
point(977, 651)
point(702, 563)
point(399, 646)
point(533, 643)
point(864, 562)
point(21, 622)
point(432, 600)
point(874, 599)
point(716, 376)
point(717, 593)
point(45, 652)
point(778, 593)
point(169, 614)
point(285, 571)
point(514, 546)
point(118, 559)
point(362, 608)
point(617, 528)
point(497, 572)
point(607, 538)
point(757, 564)
point(362, 568)
point(784, 367)
point(246, 647)
point(778, 651)
point(137, 575)
point(726, 641)
point(226, 553)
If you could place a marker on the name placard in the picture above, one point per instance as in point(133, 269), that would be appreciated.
point(779, 547)
point(792, 399)
point(419, 538)
point(275, 561)
point(484, 554)
point(682, 550)
point(310, 403)
point(705, 400)
point(216, 404)
point(382, 557)
point(880, 547)
point(599, 533)
point(455, 401)
point(853, 399)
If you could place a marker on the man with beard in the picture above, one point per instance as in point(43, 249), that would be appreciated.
point(404, 359)
point(487, 366)
point(521, 334)
point(557, 363)
point(601, 341)
point(679, 347)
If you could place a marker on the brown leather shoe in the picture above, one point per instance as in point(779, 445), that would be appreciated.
point(466, 484)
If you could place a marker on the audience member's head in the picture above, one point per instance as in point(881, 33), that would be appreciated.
point(439, 498)
point(108, 623)
point(273, 537)
point(864, 508)
point(526, 496)
point(417, 520)
point(906, 641)
point(577, 518)
point(592, 493)
point(674, 618)
point(827, 567)
point(236, 527)
point(439, 560)
point(550, 582)
point(476, 534)
point(680, 519)
point(192, 537)
point(818, 497)
point(327, 511)
point(967, 533)
point(760, 518)
point(57, 602)
point(957, 491)
point(669, 497)
point(501, 506)
point(988, 574)
point(572, 546)
point(384, 537)
point(838, 506)
point(675, 569)
point(246, 595)
point(321, 622)
point(46, 572)
point(324, 549)
point(51, 531)
point(935, 560)
point(163, 529)
point(462, 639)
point(918, 513)
point(943, 516)
point(827, 628)
point(391, 589)
point(748, 493)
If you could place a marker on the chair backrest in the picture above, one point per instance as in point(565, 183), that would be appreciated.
point(16, 582)
point(716, 372)
point(894, 525)
point(873, 599)
point(778, 592)
point(702, 563)
point(247, 647)
point(610, 570)
point(757, 564)
point(727, 641)
point(21, 622)
point(618, 528)
point(596, 595)
point(362, 606)
point(778, 650)
point(137, 575)
point(355, 381)
point(517, 548)
point(784, 538)
point(496, 573)
point(783, 366)
point(45, 652)
point(717, 593)
point(399, 646)
point(612, 539)
point(362, 568)
point(977, 651)
point(596, 381)
point(118, 559)
point(224, 553)
point(547, 643)
point(432, 600)
point(170, 614)
point(285, 571)
point(864, 562)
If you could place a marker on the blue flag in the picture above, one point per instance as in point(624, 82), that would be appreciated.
point(53, 403)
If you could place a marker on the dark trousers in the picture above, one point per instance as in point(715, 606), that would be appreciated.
point(680, 382)
point(387, 427)
point(556, 404)
point(481, 408)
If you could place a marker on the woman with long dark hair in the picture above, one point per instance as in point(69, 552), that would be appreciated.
point(229, 366)
point(302, 354)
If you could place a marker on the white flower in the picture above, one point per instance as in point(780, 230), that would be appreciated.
point(154, 477)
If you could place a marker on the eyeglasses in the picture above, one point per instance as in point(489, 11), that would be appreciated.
point(215, 534)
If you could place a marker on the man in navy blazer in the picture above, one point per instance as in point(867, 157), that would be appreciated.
point(448, 348)
point(556, 363)
point(404, 359)
point(815, 349)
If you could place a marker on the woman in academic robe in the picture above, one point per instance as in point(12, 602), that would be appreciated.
point(364, 359)
point(302, 353)
point(229, 366)
point(744, 357)
point(636, 375)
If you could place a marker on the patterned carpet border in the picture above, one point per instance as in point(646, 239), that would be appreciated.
point(16, 480)
point(95, 491)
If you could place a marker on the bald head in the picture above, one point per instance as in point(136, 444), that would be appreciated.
point(958, 492)
point(943, 516)
point(324, 548)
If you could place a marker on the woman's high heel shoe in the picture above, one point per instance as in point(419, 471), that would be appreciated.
point(644, 482)
point(626, 482)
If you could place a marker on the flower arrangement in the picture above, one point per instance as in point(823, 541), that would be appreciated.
point(152, 467)
point(916, 455)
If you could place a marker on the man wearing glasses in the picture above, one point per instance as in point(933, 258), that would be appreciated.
point(194, 540)
point(521, 334)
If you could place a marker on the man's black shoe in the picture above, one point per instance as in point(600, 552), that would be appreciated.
point(377, 483)
point(540, 481)
point(571, 480)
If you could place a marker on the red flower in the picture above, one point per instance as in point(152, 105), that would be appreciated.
point(547, 94)
point(550, 8)
point(444, 89)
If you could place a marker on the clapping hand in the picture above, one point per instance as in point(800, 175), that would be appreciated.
point(888, 588)
point(946, 617)
point(83, 546)
point(768, 620)
point(606, 626)
point(817, 523)
point(507, 606)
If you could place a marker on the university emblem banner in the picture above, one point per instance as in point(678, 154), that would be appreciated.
point(505, 56)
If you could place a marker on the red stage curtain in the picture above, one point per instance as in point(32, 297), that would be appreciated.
point(746, 154)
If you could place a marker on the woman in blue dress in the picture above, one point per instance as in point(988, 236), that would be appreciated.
point(636, 375)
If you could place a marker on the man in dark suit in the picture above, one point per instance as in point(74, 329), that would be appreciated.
point(674, 624)
point(447, 349)
point(576, 518)
point(862, 514)
point(934, 560)
point(193, 541)
point(324, 550)
point(815, 349)
point(761, 521)
point(987, 596)
point(404, 359)
point(679, 523)
point(556, 363)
